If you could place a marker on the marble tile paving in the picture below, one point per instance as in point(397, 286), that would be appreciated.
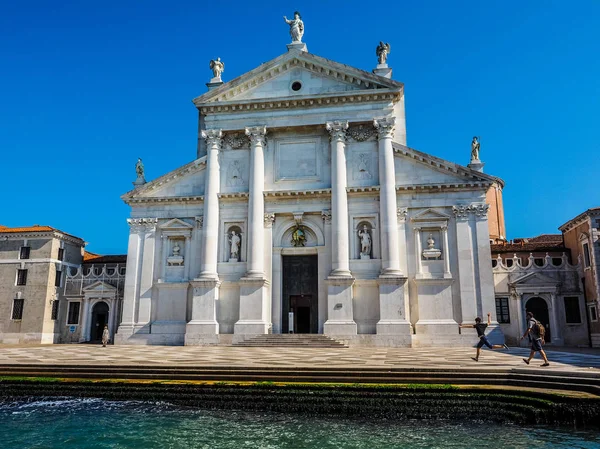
point(231, 356)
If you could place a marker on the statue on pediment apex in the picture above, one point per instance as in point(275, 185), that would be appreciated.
point(296, 27)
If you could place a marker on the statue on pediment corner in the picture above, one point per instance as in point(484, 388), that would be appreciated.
point(475, 145)
point(217, 66)
point(382, 51)
point(296, 27)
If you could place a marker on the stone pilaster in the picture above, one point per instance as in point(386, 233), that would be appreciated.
point(466, 266)
point(390, 263)
point(210, 237)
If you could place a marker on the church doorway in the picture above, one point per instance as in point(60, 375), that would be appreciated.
point(300, 299)
point(539, 308)
point(99, 320)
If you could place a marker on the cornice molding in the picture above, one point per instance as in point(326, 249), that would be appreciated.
point(296, 193)
point(43, 234)
point(172, 200)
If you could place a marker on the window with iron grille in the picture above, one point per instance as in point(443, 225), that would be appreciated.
point(73, 315)
point(572, 313)
point(54, 315)
point(61, 253)
point(58, 278)
point(24, 252)
point(502, 312)
point(17, 311)
point(21, 277)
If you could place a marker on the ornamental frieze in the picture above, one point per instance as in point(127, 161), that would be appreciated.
point(361, 132)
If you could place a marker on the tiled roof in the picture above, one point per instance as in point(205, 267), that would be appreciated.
point(529, 247)
point(97, 259)
point(33, 229)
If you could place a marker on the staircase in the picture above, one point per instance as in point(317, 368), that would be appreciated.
point(292, 340)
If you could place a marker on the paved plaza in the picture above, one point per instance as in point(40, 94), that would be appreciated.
point(281, 357)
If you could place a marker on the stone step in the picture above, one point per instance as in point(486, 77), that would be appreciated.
point(292, 340)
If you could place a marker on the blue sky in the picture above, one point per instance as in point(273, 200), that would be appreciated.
point(88, 87)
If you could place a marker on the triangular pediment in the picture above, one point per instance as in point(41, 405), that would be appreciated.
point(184, 182)
point(176, 223)
point(98, 287)
point(317, 76)
point(414, 168)
point(535, 280)
point(430, 215)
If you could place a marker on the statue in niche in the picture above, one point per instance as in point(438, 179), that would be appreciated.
point(217, 66)
point(475, 149)
point(365, 242)
point(382, 51)
point(431, 252)
point(234, 247)
point(298, 236)
point(296, 27)
point(175, 258)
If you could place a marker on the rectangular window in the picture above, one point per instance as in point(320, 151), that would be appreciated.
point(502, 310)
point(572, 313)
point(586, 255)
point(73, 315)
point(21, 277)
point(24, 252)
point(58, 278)
point(17, 311)
point(61, 253)
point(54, 315)
point(593, 314)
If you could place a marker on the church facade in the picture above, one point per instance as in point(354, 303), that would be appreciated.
point(305, 211)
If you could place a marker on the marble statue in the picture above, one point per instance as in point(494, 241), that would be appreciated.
point(298, 237)
point(139, 168)
point(296, 27)
point(234, 251)
point(365, 243)
point(475, 149)
point(382, 51)
point(217, 67)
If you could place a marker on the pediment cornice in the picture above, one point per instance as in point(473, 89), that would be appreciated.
point(225, 94)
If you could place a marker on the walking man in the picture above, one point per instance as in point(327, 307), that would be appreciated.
point(480, 328)
point(105, 336)
point(535, 331)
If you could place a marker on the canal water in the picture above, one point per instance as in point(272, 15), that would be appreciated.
point(99, 424)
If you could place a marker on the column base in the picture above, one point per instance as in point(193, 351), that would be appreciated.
point(203, 328)
point(254, 310)
point(392, 307)
point(340, 314)
point(201, 333)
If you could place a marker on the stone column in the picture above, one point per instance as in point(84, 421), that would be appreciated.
point(210, 238)
point(187, 257)
point(85, 321)
point(557, 338)
point(203, 327)
point(163, 257)
point(418, 250)
point(340, 312)
point(144, 310)
point(390, 263)
point(131, 292)
point(339, 199)
point(256, 202)
point(255, 310)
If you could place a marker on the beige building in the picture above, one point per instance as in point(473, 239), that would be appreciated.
point(33, 263)
point(581, 236)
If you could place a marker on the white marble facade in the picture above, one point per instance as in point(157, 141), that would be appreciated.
point(305, 143)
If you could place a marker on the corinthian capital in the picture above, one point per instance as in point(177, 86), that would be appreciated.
point(257, 135)
point(385, 126)
point(212, 137)
point(337, 130)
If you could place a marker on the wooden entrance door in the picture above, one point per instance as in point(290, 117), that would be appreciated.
point(300, 294)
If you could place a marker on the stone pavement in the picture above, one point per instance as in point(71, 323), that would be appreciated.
point(274, 357)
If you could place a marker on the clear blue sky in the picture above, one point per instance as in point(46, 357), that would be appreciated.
point(88, 87)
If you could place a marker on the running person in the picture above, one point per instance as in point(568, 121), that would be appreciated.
point(533, 332)
point(480, 328)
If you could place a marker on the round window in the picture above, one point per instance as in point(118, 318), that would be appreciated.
point(296, 86)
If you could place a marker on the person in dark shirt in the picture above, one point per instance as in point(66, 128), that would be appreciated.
point(480, 328)
point(535, 338)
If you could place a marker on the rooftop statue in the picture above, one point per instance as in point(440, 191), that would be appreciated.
point(296, 27)
point(382, 51)
point(139, 168)
point(217, 67)
point(475, 149)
